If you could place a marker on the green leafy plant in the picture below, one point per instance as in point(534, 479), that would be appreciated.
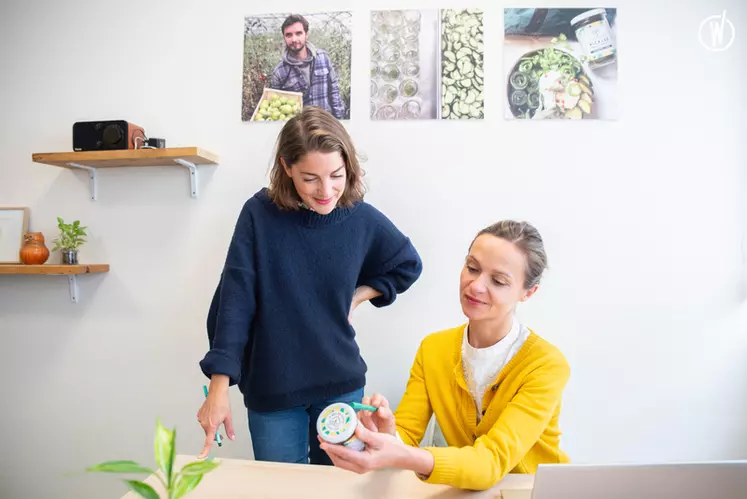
point(176, 484)
point(71, 235)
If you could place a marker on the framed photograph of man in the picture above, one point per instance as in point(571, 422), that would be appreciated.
point(292, 60)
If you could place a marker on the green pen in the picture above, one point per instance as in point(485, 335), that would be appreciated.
point(217, 433)
point(362, 407)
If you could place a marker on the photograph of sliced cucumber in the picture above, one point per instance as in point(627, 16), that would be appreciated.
point(462, 74)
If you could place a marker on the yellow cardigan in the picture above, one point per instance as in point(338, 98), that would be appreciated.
point(519, 428)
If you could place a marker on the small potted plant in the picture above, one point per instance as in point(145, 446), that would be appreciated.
point(175, 484)
point(70, 239)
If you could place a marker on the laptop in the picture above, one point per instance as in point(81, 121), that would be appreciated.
point(689, 480)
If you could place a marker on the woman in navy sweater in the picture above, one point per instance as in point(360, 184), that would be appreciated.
point(304, 254)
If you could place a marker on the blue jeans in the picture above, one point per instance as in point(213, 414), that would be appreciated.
point(289, 436)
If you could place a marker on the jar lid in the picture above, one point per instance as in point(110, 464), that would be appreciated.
point(587, 14)
point(337, 423)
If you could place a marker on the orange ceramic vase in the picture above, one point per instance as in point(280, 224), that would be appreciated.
point(34, 251)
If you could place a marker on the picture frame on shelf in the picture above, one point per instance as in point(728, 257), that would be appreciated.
point(14, 223)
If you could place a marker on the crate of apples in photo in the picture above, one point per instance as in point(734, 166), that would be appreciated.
point(277, 105)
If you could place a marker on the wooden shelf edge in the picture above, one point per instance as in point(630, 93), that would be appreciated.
point(127, 157)
point(51, 269)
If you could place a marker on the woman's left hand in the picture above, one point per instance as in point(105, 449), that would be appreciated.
point(362, 293)
point(382, 451)
point(353, 306)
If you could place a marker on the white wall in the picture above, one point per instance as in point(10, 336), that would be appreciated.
point(643, 220)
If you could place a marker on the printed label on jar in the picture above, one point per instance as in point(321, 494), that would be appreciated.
point(336, 424)
point(596, 39)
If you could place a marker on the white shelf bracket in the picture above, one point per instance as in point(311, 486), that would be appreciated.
point(192, 174)
point(92, 174)
point(73, 280)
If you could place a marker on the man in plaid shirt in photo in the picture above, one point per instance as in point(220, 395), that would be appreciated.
point(307, 69)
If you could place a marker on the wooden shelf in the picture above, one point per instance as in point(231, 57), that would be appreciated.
point(91, 161)
point(71, 271)
point(50, 269)
point(129, 157)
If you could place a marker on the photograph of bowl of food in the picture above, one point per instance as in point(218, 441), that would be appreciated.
point(560, 64)
point(549, 83)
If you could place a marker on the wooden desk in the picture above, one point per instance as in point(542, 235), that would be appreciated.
point(239, 479)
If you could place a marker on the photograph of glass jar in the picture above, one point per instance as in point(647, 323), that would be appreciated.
point(594, 34)
point(403, 64)
point(426, 64)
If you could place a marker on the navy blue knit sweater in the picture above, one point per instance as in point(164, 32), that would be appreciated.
point(278, 322)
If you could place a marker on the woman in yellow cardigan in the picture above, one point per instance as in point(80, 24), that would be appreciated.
point(494, 386)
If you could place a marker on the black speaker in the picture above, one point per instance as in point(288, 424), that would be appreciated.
point(107, 135)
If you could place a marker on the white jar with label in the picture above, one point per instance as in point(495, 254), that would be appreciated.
point(595, 36)
point(337, 423)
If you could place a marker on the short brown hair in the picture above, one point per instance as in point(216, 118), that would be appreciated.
point(528, 240)
point(293, 19)
point(313, 130)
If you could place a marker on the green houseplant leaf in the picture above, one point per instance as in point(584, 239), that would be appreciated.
point(142, 489)
point(172, 459)
point(120, 467)
point(184, 484)
point(190, 476)
point(165, 450)
point(198, 468)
